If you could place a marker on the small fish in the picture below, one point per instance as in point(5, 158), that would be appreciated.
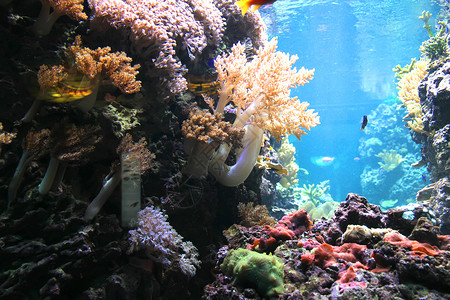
point(364, 122)
point(322, 161)
point(424, 178)
point(253, 4)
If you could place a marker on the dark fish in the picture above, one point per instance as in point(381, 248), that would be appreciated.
point(364, 122)
point(424, 178)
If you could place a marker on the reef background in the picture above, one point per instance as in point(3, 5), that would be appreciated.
point(49, 251)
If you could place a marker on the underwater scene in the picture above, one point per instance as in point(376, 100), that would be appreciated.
point(224, 149)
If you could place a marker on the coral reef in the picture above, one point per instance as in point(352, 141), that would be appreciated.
point(399, 181)
point(391, 160)
point(433, 92)
point(265, 101)
point(393, 257)
point(157, 38)
point(286, 154)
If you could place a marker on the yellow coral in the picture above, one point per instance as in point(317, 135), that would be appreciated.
point(409, 94)
point(286, 154)
point(391, 160)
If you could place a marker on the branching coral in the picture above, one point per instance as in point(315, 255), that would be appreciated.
point(409, 94)
point(260, 91)
point(162, 243)
point(312, 192)
point(436, 46)
point(160, 30)
point(90, 66)
point(391, 160)
point(132, 151)
point(53, 9)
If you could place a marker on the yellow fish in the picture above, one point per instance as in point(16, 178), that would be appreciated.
point(254, 4)
point(71, 89)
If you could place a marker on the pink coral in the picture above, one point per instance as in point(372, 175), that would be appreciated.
point(160, 28)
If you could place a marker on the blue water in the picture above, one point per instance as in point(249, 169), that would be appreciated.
point(353, 47)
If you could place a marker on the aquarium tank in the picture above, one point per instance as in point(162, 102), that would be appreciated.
point(224, 149)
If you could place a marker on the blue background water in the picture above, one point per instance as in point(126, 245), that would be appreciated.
point(353, 46)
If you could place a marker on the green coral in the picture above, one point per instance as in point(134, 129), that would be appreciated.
point(123, 118)
point(425, 17)
point(256, 270)
point(400, 71)
point(313, 192)
point(391, 160)
point(436, 46)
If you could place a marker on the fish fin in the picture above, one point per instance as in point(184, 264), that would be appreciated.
point(244, 5)
point(255, 7)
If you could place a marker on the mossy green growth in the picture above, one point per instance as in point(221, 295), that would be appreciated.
point(256, 270)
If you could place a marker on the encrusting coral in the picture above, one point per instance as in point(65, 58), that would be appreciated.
point(89, 66)
point(260, 271)
point(260, 91)
point(53, 9)
point(391, 160)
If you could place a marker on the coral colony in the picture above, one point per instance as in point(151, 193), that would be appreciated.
point(188, 104)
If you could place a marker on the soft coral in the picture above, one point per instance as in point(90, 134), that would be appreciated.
point(53, 9)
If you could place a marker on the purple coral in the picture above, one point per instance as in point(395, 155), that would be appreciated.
point(162, 243)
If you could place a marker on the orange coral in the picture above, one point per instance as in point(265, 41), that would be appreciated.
point(95, 64)
point(101, 62)
point(207, 127)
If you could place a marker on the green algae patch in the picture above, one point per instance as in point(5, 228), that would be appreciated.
point(256, 270)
